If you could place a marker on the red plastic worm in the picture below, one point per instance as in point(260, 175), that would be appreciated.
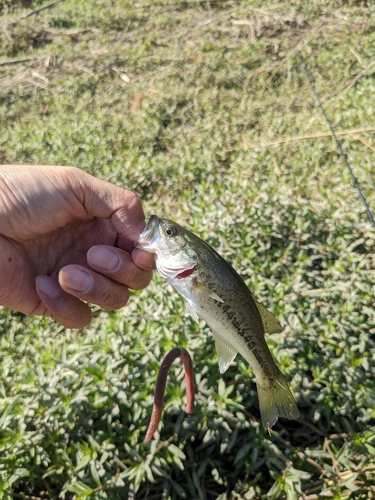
point(157, 410)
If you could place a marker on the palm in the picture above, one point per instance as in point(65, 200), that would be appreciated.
point(47, 254)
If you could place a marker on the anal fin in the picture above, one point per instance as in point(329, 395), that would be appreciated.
point(225, 354)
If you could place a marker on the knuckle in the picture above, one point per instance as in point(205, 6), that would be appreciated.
point(114, 297)
point(134, 201)
point(137, 278)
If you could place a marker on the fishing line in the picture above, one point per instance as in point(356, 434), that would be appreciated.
point(338, 143)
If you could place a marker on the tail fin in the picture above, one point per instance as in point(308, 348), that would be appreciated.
point(275, 400)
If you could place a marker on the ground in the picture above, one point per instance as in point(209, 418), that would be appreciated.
point(202, 108)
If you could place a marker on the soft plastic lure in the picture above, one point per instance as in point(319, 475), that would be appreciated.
point(157, 410)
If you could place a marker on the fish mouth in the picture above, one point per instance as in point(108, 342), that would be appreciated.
point(148, 233)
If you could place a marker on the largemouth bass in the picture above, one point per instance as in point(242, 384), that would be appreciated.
point(215, 292)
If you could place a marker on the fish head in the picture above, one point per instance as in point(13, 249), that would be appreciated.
point(172, 245)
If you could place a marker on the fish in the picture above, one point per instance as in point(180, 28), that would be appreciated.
point(215, 292)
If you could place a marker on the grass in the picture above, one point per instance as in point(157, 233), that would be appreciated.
point(191, 104)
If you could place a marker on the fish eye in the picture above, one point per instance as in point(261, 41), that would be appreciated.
point(170, 231)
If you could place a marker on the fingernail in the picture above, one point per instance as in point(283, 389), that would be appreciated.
point(74, 278)
point(47, 286)
point(103, 257)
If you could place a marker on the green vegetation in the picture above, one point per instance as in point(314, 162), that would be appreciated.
point(190, 103)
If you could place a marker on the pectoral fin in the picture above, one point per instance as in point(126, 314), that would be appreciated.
point(200, 288)
point(225, 354)
point(270, 323)
point(191, 311)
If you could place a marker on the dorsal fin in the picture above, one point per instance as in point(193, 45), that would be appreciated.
point(270, 323)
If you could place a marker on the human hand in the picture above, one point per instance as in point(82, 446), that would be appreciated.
point(67, 237)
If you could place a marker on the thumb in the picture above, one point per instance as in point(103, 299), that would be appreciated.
point(107, 201)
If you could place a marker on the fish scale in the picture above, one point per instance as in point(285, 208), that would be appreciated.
point(232, 290)
point(215, 292)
